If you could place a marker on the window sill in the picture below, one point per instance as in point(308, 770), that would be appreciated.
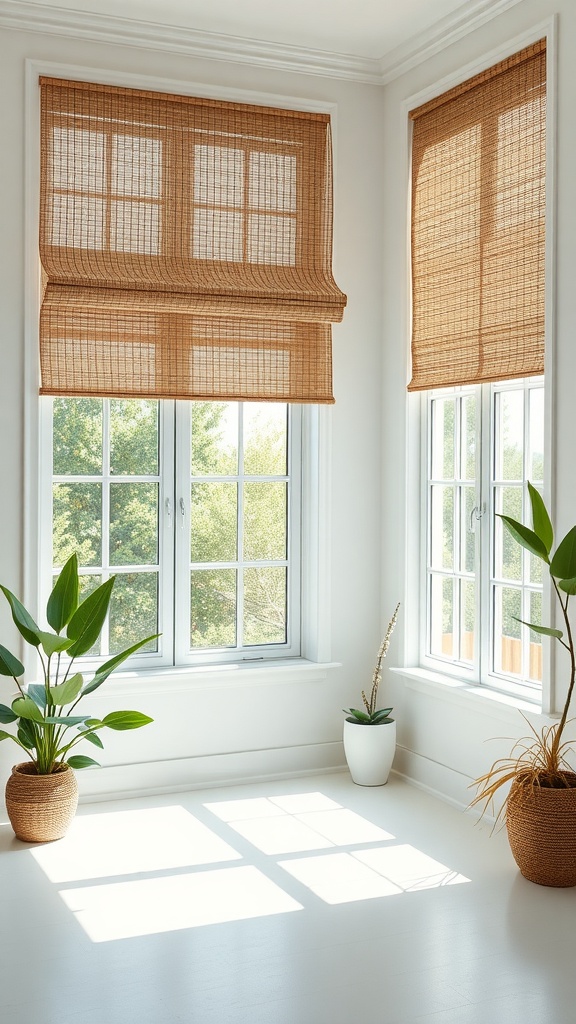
point(174, 680)
point(493, 703)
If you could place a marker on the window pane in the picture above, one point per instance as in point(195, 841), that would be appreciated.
point(77, 432)
point(265, 605)
point(443, 438)
point(468, 438)
point(77, 523)
point(442, 616)
point(213, 608)
point(133, 524)
point(510, 435)
point(214, 438)
point(535, 666)
point(213, 522)
point(507, 639)
point(265, 439)
point(133, 438)
point(467, 620)
point(536, 456)
point(469, 526)
point(264, 521)
point(134, 610)
point(442, 525)
point(508, 553)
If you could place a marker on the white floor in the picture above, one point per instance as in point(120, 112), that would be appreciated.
point(308, 901)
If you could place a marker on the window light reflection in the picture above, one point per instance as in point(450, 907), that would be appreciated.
point(130, 842)
point(125, 910)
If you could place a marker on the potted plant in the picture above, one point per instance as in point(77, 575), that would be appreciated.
point(540, 808)
point(370, 735)
point(42, 793)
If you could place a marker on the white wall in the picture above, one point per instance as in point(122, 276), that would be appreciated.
point(444, 736)
point(218, 727)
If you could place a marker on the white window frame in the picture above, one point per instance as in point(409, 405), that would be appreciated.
point(316, 424)
point(174, 541)
point(423, 676)
point(480, 671)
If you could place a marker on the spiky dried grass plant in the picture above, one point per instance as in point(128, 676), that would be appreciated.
point(536, 761)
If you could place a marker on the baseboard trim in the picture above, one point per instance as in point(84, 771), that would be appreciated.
point(117, 782)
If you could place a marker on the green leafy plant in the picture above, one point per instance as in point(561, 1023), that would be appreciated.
point(540, 759)
point(371, 716)
point(47, 728)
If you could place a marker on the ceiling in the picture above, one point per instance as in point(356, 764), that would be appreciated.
point(369, 29)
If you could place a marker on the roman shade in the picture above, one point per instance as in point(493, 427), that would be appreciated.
point(186, 247)
point(478, 219)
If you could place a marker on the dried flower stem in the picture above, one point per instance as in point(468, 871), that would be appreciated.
point(370, 705)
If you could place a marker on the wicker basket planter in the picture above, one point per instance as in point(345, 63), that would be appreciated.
point(541, 825)
point(41, 807)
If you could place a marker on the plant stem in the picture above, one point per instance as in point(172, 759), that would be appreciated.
point(558, 733)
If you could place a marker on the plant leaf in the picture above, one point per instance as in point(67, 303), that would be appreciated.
point(51, 642)
point(540, 518)
point(563, 564)
point(86, 624)
point(63, 600)
point(379, 716)
point(108, 667)
point(92, 737)
point(25, 707)
point(7, 715)
point(5, 735)
point(568, 586)
point(68, 691)
point(9, 664)
point(22, 619)
point(26, 734)
point(38, 694)
point(525, 537)
point(67, 720)
point(81, 761)
point(361, 716)
point(544, 630)
point(125, 720)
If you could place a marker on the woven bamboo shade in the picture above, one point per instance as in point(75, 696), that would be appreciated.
point(478, 208)
point(186, 247)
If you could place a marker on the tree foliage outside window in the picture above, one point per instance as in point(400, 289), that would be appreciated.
point(111, 491)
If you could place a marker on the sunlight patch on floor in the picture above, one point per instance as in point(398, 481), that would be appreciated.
point(124, 910)
point(131, 842)
point(369, 874)
point(295, 824)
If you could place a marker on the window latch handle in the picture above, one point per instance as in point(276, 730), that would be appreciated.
point(182, 512)
point(475, 515)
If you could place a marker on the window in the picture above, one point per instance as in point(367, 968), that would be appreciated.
point(187, 297)
point(195, 507)
point(478, 327)
point(483, 443)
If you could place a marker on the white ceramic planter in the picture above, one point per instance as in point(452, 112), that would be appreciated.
point(370, 751)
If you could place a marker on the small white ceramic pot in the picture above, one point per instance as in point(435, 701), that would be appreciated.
point(370, 751)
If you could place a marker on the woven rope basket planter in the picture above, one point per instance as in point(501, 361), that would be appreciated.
point(541, 825)
point(41, 807)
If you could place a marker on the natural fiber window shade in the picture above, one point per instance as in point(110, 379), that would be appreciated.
point(186, 247)
point(478, 219)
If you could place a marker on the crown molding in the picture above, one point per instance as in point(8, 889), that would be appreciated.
point(33, 17)
point(442, 34)
point(37, 17)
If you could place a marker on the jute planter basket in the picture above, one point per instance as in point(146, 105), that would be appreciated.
point(41, 807)
point(541, 825)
